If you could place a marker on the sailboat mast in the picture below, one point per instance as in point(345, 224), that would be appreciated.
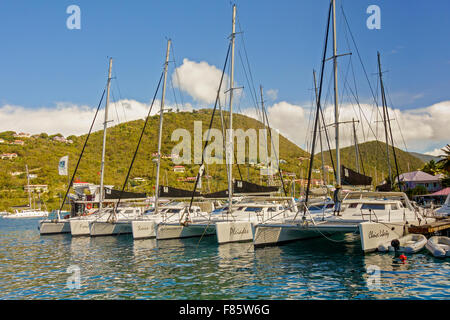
point(356, 147)
point(105, 126)
point(383, 101)
point(230, 128)
point(269, 175)
point(158, 165)
point(336, 104)
point(324, 176)
point(28, 186)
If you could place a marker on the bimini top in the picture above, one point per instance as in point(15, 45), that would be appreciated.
point(401, 196)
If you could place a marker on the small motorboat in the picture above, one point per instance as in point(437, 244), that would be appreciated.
point(439, 246)
point(410, 243)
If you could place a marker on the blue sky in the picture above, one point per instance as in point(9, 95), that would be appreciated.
point(43, 63)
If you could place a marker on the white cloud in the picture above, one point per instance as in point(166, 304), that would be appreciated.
point(200, 80)
point(436, 152)
point(288, 119)
point(423, 129)
point(69, 119)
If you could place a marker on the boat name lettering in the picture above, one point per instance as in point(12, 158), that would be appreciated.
point(381, 234)
point(234, 231)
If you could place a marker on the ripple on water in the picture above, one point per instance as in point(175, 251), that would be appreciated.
point(35, 267)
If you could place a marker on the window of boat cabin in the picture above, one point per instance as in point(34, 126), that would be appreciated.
point(394, 206)
point(353, 205)
point(253, 209)
point(372, 206)
point(330, 205)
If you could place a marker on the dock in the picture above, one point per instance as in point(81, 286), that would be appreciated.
point(438, 225)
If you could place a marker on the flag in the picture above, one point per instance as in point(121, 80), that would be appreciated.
point(63, 166)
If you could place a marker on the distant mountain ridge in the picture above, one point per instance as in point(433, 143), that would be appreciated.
point(373, 154)
point(425, 157)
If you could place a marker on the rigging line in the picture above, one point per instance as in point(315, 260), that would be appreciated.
point(82, 151)
point(357, 51)
point(275, 152)
point(347, 87)
point(318, 97)
point(115, 106)
point(308, 127)
point(392, 138)
point(209, 131)
point(174, 95)
point(246, 58)
point(356, 87)
point(177, 75)
point(396, 118)
point(370, 127)
point(354, 77)
point(328, 141)
point(139, 143)
point(248, 82)
point(234, 149)
point(120, 94)
point(345, 82)
point(325, 124)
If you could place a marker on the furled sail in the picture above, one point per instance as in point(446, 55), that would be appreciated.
point(353, 178)
point(171, 192)
point(218, 194)
point(116, 194)
point(243, 187)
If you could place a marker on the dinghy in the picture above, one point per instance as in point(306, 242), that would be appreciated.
point(410, 243)
point(439, 246)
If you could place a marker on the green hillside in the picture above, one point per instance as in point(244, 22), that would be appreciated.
point(373, 155)
point(42, 154)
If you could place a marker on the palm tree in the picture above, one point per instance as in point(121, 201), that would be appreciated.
point(444, 163)
point(431, 168)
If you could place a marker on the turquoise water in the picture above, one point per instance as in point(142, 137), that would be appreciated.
point(35, 267)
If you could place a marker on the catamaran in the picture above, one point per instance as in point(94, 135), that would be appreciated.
point(62, 224)
point(377, 216)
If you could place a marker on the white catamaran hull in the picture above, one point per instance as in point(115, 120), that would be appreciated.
point(98, 228)
point(234, 231)
point(167, 231)
point(80, 227)
point(374, 234)
point(274, 234)
point(143, 229)
point(54, 227)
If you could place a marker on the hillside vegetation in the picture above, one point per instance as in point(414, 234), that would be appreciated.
point(42, 153)
point(373, 155)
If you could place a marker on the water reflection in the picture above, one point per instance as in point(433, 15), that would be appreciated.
point(34, 267)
